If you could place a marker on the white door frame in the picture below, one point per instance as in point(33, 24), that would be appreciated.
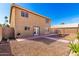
point(36, 30)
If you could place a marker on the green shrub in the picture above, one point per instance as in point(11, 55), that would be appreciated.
point(74, 48)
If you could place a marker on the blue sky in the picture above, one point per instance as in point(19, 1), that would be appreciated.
point(57, 12)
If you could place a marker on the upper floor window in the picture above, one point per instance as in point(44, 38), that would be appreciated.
point(24, 14)
point(47, 20)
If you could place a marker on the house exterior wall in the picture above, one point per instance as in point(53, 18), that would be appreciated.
point(12, 23)
point(18, 23)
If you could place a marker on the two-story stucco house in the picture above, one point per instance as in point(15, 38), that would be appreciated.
point(27, 23)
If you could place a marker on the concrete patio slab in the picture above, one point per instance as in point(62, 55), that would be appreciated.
point(59, 40)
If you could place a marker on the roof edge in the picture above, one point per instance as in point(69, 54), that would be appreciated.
point(14, 5)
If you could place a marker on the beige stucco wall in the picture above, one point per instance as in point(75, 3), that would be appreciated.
point(31, 21)
point(12, 23)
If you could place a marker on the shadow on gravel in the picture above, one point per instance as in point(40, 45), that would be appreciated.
point(48, 41)
point(44, 40)
point(5, 49)
point(59, 36)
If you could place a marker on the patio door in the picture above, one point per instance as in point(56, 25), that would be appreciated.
point(36, 30)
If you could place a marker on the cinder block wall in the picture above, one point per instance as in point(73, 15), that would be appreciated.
point(8, 32)
point(66, 30)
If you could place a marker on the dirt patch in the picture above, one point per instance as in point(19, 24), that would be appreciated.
point(38, 48)
point(70, 37)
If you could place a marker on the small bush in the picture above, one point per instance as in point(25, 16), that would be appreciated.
point(74, 48)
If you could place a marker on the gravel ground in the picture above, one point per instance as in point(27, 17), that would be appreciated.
point(5, 49)
point(66, 37)
point(39, 47)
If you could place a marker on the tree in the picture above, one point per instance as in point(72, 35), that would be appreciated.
point(0, 25)
point(6, 21)
point(6, 17)
point(62, 23)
